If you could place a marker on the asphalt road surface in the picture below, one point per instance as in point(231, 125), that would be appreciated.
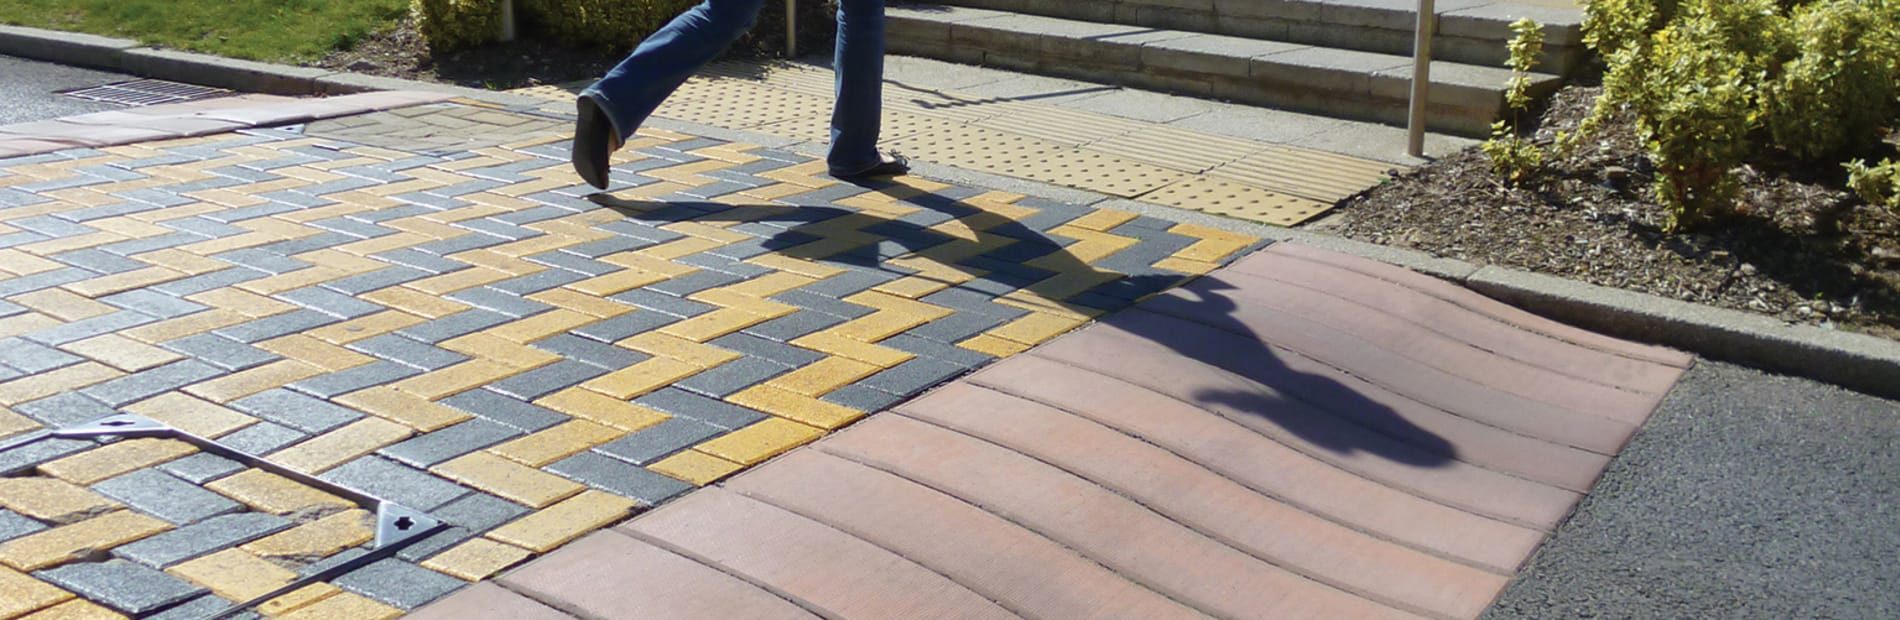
point(27, 90)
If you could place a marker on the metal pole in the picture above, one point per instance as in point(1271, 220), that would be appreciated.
point(507, 20)
point(1421, 79)
point(791, 29)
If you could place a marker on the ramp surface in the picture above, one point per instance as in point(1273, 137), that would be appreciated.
point(1299, 435)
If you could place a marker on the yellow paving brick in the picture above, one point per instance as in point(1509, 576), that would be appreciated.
point(68, 244)
point(297, 599)
point(26, 324)
point(794, 406)
point(111, 460)
point(497, 261)
point(458, 280)
point(556, 443)
point(13, 424)
point(182, 261)
point(593, 406)
point(122, 282)
point(76, 609)
point(556, 321)
point(458, 378)
point(53, 500)
point(341, 261)
point(770, 284)
point(62, 304)
point(1186, 265)
point(477, 559)
point(591, 305)
point(253, 380)
point(20, 263)
point(343, 606)
point(617, 282)
point(67, 379)
point(1102, 220)
point(877, 326)
point(713, 324)
point(242, 302)
point(762, 440)
point(900, 305)
point(335, 447)
point(292, 280)
point(543, 530)
point(414, 302)
point(122, 353)
point(315, 352)
point(821, 377)
point(234, 574)
point(677, 348)
point(834, 344)
point(1037, 327)
point(71, 542)
point(508, 479)
point(642, 378)
point(365, 327)
point(1091, 247)
point(487, 346)
point(992, 345)
point(803, 267)
point(695, 467)
point(317, 539)
point(403, 408)
point(190, 324)
point(275, 494)
point(21, 595)
point(191, 414)
point(912, 287)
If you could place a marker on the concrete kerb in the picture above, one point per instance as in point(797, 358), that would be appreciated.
point(1856, 361)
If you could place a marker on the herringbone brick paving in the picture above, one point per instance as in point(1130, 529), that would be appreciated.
point(468, 332)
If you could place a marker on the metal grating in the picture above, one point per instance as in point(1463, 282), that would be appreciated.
point(146, 92)
point(1238, 200)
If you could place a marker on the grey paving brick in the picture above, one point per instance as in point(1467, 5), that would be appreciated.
point(375, 280)
point(604, 247)
point(662, 303)
point(293, 322)
point(330, 302)
point(458, 324)
point(956, 327)
point(1140, 258)
point(768, 349)
point(660, 440)
point(1050, 213)
point(65, 409)
point(98, 261)
point(499, 228)
point(460, 243)
point(197, 539)
point(696, 407)
point(354, 227)
point(999, 283)
point(792, 326)
point(32, 357)
point(293, 247)
point(299, 411)
point(862, 398)
point(261, 438)
point(435, 543)
point(695, 282)
point(498, 408)
point(45, 279)
point(398, 583)
point(617, 328)
point(201, 608)
point(620, 478)
point(14, 525)
point(937, 350)
point(567, 259)
point(9, 374)
point(122, 585)
point(166, 497)
point(396, 482)
point(530, 216)
point(152, 382)
point(639, 230)
point(545, 380)
point(742, 250)
point(535, 283)
point(51, 226)
point(222, 278)
point(914, 376)
point(361, 377)
point(153, 303)
point(393, 213)
point(36, 452)
point(409, 352)
point(262, 260)
point(221, 351)
point(202, 467)
point(724, 264)
point(23, 238)
point(491, 299)
point(730, 377)
point(150, 244)
point(590, 352)
point(828, 305)
point(88, 328)
point(428, 449)
point(479, 511)
point(418, 259)
point(1138, 287)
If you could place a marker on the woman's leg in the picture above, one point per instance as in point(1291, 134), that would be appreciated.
point(859, 64)
point(636, 87)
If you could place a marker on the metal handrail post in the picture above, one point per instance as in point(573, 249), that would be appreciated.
point(1421, 79)
point(791, 29)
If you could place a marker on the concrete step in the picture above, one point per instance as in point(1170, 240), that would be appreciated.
point(1343, 83)
point(1466, 31)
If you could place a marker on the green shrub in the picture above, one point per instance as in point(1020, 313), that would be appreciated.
point(600, 23)
point(450, 25)
point(1878, 185)
point(1513, 157)
point(1843, 83)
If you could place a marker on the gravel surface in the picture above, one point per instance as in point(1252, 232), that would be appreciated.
point(30, 85)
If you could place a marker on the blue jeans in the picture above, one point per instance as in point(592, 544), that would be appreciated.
point(634, 89)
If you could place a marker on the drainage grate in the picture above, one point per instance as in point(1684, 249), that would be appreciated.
point(146, 92)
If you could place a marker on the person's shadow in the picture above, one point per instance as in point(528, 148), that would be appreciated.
point(1316, 408)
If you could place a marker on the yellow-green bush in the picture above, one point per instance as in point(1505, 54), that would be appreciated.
point(456, 24)
point(1512, 156)
point(599, 23)
point(1878, 184)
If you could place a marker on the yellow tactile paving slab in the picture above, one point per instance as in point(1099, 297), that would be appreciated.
point(1074, 148)
point(473, 334)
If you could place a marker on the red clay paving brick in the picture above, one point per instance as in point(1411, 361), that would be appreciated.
point(487, 600)
point(1300, 435)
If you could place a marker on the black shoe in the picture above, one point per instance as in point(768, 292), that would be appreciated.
point(593, 142)
point(897, 166)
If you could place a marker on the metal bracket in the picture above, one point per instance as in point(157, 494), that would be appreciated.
point(397, 526)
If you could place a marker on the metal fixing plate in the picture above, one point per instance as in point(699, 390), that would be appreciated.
point(1238, 200)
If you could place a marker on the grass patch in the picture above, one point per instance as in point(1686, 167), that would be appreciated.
point(266, 30)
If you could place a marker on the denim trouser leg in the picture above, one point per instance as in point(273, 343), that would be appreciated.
point(859, 65)
point(636, 87)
